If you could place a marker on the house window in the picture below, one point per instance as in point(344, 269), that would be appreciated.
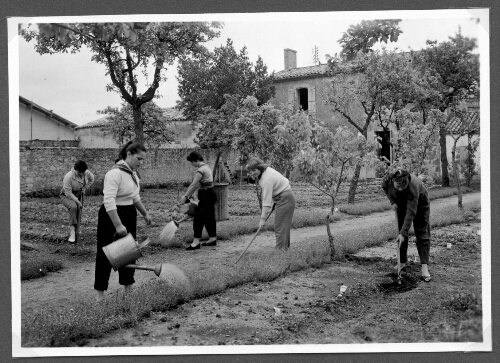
point(303, 97)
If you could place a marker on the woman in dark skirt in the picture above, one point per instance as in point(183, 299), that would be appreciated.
point(118, 213)
point(205, 212)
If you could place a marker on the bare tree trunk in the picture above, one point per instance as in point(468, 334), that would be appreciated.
point(445, 179)
point(354, 184)
point(330, 238)
point(138, 129)
point(456, 173)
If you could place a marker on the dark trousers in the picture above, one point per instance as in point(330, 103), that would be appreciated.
point(285, 206)
point(422, 228)
point(105, 236)
point(204, 215)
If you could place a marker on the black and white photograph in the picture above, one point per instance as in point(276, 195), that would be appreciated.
point(250, 183)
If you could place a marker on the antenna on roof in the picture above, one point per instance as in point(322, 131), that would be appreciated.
point(315, 56)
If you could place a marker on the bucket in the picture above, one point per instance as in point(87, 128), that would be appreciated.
point(122, 252)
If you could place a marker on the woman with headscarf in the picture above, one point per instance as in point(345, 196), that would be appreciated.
point(75, 183)
point(409, 198)
point(277, 193)
point(118, 213)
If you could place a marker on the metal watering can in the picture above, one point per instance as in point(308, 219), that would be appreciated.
point(124, 251)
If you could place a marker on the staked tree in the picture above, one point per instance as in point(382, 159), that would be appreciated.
point(457, 70)
point(326, 156)
point(363, 36)
point(126, 49)
point(156, 128)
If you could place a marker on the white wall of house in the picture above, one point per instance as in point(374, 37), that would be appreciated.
point(35, 125)
point(460, 152)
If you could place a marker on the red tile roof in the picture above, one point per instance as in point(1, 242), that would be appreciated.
point(470, 124)
point(312, 71)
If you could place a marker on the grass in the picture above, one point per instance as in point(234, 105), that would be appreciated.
point(368, 207)
point(89, 320)
point(36, 267)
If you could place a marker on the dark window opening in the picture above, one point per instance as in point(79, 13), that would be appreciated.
point(384, 148)
point(303, 98)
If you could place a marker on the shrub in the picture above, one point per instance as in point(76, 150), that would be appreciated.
point(32, 268)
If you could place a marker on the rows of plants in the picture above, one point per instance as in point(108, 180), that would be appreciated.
point(85, 320)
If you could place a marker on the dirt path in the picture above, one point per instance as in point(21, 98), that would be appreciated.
point(75, 281)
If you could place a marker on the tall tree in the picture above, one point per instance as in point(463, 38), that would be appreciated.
point(205, 79)
point(156, 128)
point(125, 49)
point(374, 86)
point(457, 69)
point(363, 36)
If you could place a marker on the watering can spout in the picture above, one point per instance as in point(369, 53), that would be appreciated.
point(156, 268)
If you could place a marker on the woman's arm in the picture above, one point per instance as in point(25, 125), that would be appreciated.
point(140, 207)
point(68, 188)
point(90, 177)
point(192, 188)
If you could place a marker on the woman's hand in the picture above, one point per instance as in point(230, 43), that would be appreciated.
point(182, 200)
point(121, 231)
point(79, 204)
point(147, 217)
point(262, 222)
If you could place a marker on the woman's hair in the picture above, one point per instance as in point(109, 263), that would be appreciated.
point(256, 163)
point(80, 166)
point(132, 146)
point(194, 156)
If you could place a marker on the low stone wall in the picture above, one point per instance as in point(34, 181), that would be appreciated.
point(42, 169)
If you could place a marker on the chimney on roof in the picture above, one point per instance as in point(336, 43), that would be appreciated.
point(290, 58)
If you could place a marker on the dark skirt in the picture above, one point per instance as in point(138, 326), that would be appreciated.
point(106, 235)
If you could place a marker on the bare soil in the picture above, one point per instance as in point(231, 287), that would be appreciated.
point(302, 307)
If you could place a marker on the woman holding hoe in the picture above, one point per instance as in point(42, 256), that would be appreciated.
point(409, 198)
point(204, 215)
point(118, 213)
point(276, 191)
point(75, 183)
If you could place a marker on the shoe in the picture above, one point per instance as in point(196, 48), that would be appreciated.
point(426, 278)
point(190, 248)
point(213, 243)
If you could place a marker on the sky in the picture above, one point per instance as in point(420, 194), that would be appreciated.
point(74, 87)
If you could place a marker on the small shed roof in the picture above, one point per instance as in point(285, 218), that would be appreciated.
point(46, 112)
point(470, 124)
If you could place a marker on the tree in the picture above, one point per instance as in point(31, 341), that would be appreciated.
point(156, 129)
point(325, 157)
point(374, 87)
point(457, 69)
point(126, 48)
point(468, 165)
point(206, 79)
point(459, 111)
point(415, 141)
point(362, 37)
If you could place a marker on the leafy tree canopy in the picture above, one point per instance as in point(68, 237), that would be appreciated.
point(362, 37)
point(157, 129)
point(204, 80)
point(125, 49)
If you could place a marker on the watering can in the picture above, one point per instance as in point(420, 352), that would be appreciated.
point(124, 251)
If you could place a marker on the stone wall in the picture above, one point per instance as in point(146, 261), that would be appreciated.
point(42, 168)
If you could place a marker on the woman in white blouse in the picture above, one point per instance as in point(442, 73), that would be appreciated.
point(276, 191)
point(118, 213)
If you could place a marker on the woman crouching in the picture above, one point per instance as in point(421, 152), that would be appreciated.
point(276, 191)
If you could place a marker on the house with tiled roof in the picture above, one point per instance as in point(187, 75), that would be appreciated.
point(95, 134)
point(39, 123)
point(305, 86)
